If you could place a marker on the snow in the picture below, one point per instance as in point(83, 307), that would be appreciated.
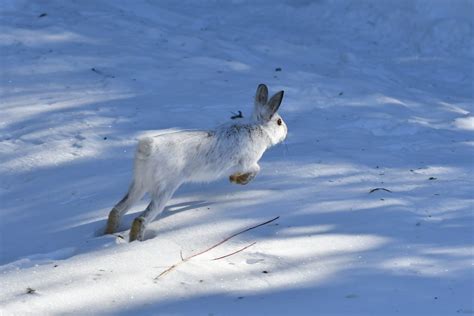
point(378, 94)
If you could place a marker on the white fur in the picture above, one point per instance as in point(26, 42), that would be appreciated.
point(164, 162)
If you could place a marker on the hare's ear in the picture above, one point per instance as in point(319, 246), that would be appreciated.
point(264, 109)
point(274, 103)
point(261, 96)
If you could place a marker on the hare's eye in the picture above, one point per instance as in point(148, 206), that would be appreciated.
point(279, 121)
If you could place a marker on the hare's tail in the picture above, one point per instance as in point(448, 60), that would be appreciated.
point(143, 163)
point(145, 148)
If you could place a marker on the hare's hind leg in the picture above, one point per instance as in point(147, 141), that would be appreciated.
point(156, 206)
point(137, 231)
point(133, 195)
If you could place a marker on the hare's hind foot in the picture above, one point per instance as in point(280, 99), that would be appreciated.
point(241, 178)
point(137, 232)
point(113, 222)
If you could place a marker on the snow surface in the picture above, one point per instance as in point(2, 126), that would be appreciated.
point(378, 94)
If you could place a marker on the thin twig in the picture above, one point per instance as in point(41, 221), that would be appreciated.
point(232, 236)
point(233, 253)
point(214, 246)
point(168, 270)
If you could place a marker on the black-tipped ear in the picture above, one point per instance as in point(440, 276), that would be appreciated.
point(275, 102)
point(264, 110)
point(261, 96)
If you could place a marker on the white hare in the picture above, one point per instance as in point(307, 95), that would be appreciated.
point(164, 162)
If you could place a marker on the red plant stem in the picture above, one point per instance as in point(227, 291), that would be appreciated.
point(230, 237)
point(216, 245)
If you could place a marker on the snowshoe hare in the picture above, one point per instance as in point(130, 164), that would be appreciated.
point(164, 162)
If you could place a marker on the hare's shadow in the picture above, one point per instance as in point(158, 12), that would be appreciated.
point(99, 240)
point(168, 211)
point(151, 233)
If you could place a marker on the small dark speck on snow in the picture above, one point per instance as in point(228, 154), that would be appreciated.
point(30, 290)
point(465, 311)
point(432, 178)
point(380, 189)
point(278, 69)
point(265, 271)
point(42, 15)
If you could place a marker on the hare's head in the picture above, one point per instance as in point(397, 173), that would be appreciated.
point(265, 113)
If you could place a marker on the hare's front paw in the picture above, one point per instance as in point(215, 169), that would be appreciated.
point(241, 178)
